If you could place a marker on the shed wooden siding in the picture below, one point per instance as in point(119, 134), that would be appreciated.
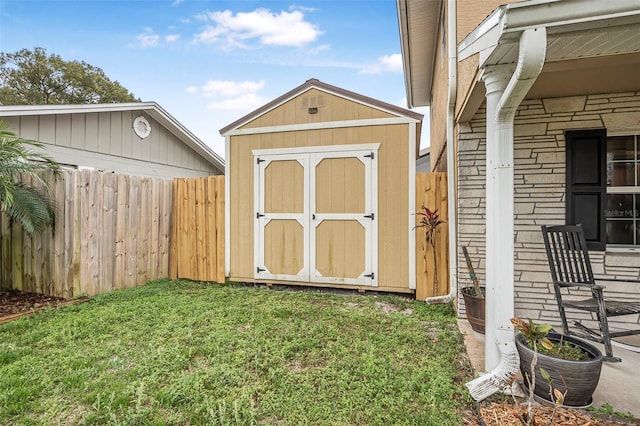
point(393, 192)
point(335, 108)
point(93, 139)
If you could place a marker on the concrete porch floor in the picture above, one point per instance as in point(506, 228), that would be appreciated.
point(618, 385)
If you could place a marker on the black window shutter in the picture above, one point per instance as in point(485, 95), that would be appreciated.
point(587, 183)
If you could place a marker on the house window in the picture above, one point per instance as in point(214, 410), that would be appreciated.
point(623, 191)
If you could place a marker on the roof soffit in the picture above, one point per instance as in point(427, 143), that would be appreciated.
point(418, 21)
point(576, 29)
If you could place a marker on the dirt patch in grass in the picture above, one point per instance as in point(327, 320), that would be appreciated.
point(16, 302)
point(388, 308)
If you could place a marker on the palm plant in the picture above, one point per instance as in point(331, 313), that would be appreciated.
point(430, 221)
point(22, 162)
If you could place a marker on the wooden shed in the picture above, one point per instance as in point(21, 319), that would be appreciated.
point(320, 191)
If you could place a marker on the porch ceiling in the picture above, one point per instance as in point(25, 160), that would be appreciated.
point(580, 44)
point(592, 47)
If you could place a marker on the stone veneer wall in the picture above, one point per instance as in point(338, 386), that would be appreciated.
point(539, 178)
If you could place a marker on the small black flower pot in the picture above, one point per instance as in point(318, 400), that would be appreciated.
point(474, 305)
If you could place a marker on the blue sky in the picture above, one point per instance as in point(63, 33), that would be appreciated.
point(209, 63)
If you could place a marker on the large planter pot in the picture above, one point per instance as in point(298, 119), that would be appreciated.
point(474, 305)
point(581, 377)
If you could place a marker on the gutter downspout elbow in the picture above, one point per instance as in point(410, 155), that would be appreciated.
point(499, 340)
point(452, 53)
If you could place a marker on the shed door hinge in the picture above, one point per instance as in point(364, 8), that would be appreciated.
point(260, 160)
point(259, 215)
point(372, 156)
point(371, 275)
point(259, 269)
point(371, 216)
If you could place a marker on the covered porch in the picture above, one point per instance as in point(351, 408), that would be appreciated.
point(528, 75)
point(544, 70)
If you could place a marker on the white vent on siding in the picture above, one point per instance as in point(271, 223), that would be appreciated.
point(312, 101)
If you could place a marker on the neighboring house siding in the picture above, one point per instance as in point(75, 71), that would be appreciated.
point(423, 164)
point(439, 100)
point(539, 178)
point(106, 141)
point(472, 12)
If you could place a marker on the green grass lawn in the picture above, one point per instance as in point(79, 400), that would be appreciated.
point(185, 353)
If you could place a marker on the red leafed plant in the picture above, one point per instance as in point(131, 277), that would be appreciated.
point(430, 221)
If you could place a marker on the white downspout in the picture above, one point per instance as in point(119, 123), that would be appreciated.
point(500, 351)
point(452, 53)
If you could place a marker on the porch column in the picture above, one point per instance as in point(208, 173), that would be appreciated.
point(499, 221)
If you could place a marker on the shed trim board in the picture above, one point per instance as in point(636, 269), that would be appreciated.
point(323, 125)
point(412, 202)
point(227, 210)
point(312, 217)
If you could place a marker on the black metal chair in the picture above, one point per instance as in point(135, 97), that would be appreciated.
point(570, 267)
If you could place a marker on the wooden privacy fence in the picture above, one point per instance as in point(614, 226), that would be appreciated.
point(431, 192)
point(111, 232)
point(197, 247)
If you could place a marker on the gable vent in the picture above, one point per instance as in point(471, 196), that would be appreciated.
point(312, 101)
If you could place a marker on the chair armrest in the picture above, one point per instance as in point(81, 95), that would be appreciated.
point(618, 280)
point(586, 285)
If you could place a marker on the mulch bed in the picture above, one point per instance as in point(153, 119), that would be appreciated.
point(16, 304)
point(494, 412)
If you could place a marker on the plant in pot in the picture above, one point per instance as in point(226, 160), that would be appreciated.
point(562, 365)
point(473, 298)
point(430, 221)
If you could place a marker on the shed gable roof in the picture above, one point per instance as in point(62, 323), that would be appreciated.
point(329, 89)
point(152, 108)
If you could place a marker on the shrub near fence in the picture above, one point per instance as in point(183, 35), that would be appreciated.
point(111, 232)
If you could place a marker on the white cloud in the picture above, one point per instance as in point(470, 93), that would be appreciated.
point(387, 63)
point(318, 49)
point(230, 88)
point(169, 38)
point(275, 29)
point(176, 2)
point(246, 102)
point(148, 38)
point(231, 95)
point(302, 8)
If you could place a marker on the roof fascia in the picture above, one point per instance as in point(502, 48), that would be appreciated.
point(15, 110)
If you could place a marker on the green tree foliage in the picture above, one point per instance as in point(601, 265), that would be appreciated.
point(35, 78)
point(22, 162)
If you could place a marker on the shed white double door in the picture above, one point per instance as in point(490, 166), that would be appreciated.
point(316, 215)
